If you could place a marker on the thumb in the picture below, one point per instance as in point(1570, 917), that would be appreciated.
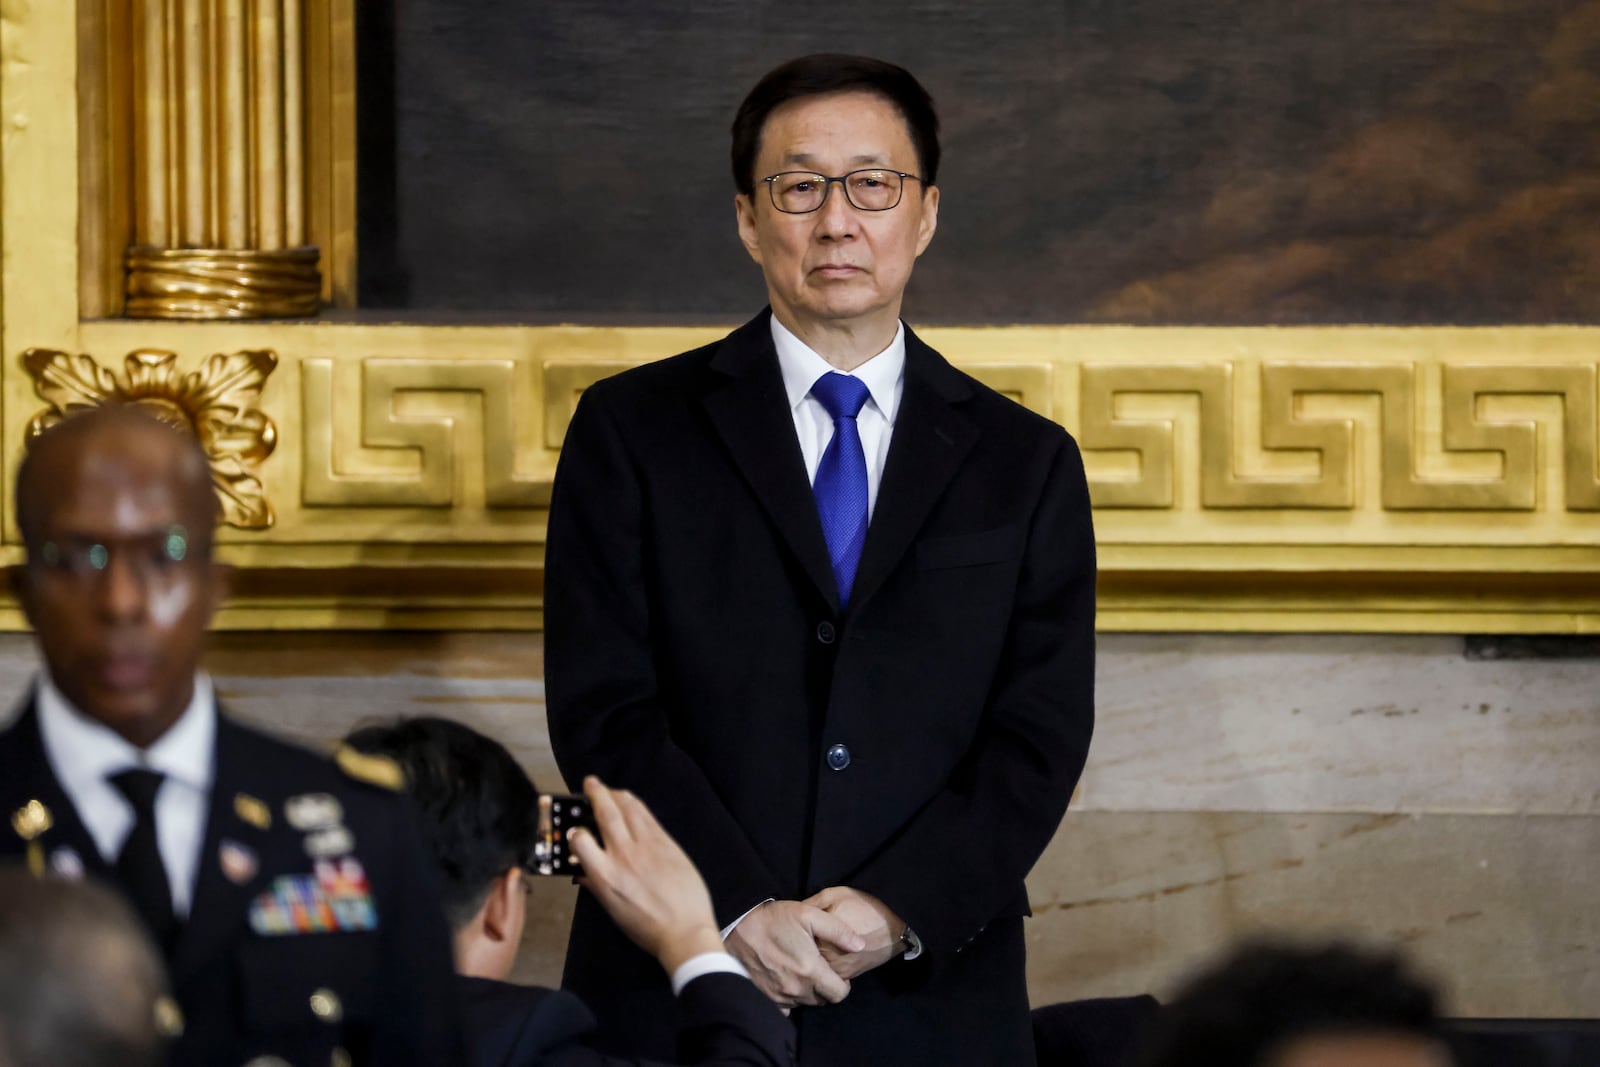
point(827, 927)
point(597, 864)
point(824, 899)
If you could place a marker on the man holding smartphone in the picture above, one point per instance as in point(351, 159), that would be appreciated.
point(481, 819)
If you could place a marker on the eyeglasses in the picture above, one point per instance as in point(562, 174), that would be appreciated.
point(800, 192)
point(150, 556)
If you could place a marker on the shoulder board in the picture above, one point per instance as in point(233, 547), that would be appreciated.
point(380, 771)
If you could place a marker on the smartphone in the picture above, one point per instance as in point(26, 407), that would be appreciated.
point(559, 813)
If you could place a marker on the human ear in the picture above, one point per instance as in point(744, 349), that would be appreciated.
point(499, 910)
point(744, 210)
point(929, 221)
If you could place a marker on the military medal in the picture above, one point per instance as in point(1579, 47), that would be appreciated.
point(334, 841)
point(29, 821)
point(313, 811)
point(238, 862)
point(335, 898)
point(253, 811)
point(66, 863)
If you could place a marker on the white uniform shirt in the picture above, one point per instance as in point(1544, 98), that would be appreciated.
point(83, 754)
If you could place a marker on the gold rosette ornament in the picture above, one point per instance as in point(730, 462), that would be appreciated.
point(217, 403)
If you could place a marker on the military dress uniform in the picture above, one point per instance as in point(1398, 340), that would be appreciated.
point(313, 934)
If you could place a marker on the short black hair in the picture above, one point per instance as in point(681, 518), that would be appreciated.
point(1267, 994)
point(477, 806)
point(824, 73)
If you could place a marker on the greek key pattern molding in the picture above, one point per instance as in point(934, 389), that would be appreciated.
point(1292, 435)
point(1509, 443)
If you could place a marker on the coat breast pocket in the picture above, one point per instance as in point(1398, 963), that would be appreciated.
point(980, 548)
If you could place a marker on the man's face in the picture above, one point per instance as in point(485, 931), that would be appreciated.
point(837, 265)
point(120, 607)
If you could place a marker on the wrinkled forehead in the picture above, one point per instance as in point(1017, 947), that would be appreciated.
point(854, 126)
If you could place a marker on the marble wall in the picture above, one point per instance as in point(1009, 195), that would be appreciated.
point(1376, 786)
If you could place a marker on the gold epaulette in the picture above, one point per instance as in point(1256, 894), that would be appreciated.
point(380, 771)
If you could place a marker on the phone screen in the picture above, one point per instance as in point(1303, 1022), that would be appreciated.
point(559, 813)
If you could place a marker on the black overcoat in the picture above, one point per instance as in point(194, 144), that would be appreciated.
point(696, 654)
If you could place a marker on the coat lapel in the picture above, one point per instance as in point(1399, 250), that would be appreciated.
point(751, 413)
point(220, 904)
point(26, 776)
point(931, 438)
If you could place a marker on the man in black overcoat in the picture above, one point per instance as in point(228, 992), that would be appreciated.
point(827, 605)
point(289, 893)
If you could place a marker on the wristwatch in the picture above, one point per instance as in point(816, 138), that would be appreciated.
point(910, 944)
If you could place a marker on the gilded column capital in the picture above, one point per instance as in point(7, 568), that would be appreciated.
point(217, 403)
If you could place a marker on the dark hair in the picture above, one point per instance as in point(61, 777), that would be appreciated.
point(80, 980)
point(478, 807)
point(830, 73)
point(1265, 995)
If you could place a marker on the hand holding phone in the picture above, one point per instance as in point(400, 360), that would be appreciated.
point(644, 880)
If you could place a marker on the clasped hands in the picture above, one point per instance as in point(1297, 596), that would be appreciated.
point(807, 951)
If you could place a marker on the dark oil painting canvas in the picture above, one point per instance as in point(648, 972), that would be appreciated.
point(1108, 161)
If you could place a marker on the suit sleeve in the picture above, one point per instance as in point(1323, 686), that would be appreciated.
point(604, 705)
point(723, 1021)
point(962, 859)
point(418, 1006)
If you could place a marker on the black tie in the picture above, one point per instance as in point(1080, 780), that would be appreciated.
point(139, 863)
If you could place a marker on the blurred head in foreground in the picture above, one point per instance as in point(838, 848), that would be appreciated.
point(80, 983)
point(478, 813)
point(1275, 1005)
point(117, 511)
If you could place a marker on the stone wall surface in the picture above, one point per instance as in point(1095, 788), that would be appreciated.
point(1374, 786)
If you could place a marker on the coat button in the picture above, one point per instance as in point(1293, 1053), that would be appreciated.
point(838, 757)
point(325, 1006)
point(825, 632)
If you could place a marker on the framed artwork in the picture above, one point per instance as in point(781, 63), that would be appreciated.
point(1311, 284)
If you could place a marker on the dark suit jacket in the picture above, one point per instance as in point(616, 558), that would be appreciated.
point(723, 1021)
point(696, 654)
point(243, 994)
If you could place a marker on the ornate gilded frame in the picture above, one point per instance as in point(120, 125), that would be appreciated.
point(1353, 478)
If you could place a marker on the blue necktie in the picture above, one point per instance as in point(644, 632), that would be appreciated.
point(841, 483)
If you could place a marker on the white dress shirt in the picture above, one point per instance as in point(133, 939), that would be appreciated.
point(705, 963)
point(884, 375)
point(84, 754)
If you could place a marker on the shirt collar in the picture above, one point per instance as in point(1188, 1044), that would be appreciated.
point(82, 751)
point(801, 367)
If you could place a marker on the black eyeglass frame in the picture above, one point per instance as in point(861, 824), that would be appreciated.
point(827, 188)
